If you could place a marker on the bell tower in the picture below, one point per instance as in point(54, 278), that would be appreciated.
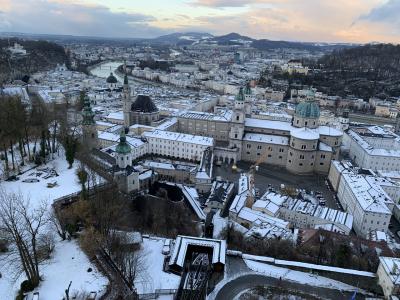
point(89, 129)
point(126, 98)
point(237, 128)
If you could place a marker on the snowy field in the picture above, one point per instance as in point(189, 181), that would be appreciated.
point(68, 262)
point(151, 275)
point(36, 192)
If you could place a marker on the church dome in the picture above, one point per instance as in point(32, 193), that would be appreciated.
point(112, 78)
point(144, 104)
point(307, 109)
point(247, 89)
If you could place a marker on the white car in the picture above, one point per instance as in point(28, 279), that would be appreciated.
point(167, 247)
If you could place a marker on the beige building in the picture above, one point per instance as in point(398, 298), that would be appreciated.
point(389, 276)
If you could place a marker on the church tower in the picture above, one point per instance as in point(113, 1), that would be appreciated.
point(126, 98)
point(237, 128)
point(123, 155)
point(248, 98)
point(89, 129)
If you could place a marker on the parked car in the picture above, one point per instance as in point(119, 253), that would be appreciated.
point(167, 247)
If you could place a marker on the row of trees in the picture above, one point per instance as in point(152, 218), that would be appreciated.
point(30, 131)
point(330, 249)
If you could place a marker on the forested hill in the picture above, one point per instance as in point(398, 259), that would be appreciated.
point(383, 60)
point(42, 55)
point(365, 71)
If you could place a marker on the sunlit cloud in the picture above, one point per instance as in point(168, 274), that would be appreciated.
point(308, 20)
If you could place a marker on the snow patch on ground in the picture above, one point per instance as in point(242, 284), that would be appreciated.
point(58, 271)
point(219, 225)
point(151, 275)
point(67, 183)
point(68, 263)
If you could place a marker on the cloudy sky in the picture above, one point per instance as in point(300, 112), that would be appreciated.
point(299, 20)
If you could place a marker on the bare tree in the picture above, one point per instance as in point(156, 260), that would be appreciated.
point(58, 221)
point(25, 229)
point(129, 258)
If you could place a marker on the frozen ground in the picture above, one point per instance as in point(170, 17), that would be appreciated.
point(151, 275)
point(68, 263)
point(36, 192)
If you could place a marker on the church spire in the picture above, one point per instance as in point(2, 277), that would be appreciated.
point(87, 112)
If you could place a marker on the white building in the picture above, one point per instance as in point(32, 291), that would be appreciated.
point(389, 275)
point(363, 197)
point(179, 145)
point(374, 148)
point(304, 214)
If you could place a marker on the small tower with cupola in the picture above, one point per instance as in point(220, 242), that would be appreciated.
point(123, 154)
point(125, 175)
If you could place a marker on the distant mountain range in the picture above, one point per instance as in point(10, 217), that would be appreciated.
point(193, 38)
point(186, 39)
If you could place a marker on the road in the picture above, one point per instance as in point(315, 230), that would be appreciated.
point(234, 287)
point(236, 265)
point(275, 176)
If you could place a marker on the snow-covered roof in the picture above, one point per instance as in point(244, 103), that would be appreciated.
point(330, 131)
point(224, 116)
point(268, 124)
point(192, 196)
point(266, 138)
point(305, 133)
point(180, 137)
point(252, 216)
point(391, 265)
point(183, 242)
point(118, 115)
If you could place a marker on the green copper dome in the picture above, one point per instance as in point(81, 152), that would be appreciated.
point(123, 147)
point(240, 95)
point(87, 112)
point(307, 109)
point(247, 90)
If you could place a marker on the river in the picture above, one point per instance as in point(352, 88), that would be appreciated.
point(103, 70)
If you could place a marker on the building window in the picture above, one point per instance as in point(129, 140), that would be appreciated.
point(237, 118)
point(248, 146)
point(258, 147)
point(321, 164)
point(300, 164)
point(301, 156)
point(269, 155)
point(323, 156)
point(303, 146)
point(280, 157)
